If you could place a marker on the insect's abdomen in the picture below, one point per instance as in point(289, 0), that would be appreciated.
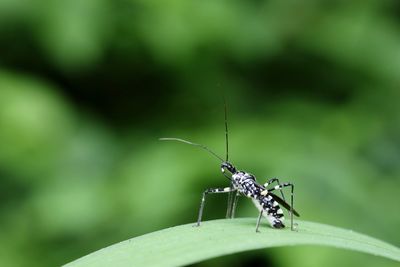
point(271, 210)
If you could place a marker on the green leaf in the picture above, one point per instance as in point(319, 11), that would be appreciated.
point(185, 244)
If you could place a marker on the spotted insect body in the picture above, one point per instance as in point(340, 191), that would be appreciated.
point(246, 184)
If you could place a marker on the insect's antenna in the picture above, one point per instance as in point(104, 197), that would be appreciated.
point(191, 143)
point(226, 130)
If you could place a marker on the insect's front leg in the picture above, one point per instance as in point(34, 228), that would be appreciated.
point(229, 207)
point(232, 203)
point(235, 200)
point(211, 191)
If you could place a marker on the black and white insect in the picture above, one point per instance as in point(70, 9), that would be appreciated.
point(244, 183)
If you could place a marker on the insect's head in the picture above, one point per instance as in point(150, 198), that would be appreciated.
point(227, 166)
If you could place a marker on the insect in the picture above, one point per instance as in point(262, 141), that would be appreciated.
point(244, 183)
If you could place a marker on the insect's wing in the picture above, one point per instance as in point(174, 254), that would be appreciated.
point(283, 203)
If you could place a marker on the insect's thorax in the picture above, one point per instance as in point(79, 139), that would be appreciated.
point(246, 184)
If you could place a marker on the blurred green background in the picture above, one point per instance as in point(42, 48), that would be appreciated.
point(87, 88)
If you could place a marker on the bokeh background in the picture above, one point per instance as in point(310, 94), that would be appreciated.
point(88, 87)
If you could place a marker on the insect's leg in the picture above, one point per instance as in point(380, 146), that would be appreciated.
point(235, 200)
point(280, 187)
point(230, 203)
point(228, 209)
point(211, 191)
point(258, 221)
point(270, 181)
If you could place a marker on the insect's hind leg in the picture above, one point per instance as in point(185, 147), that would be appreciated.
point(280, 187)
point(270, 181)
point(211, 191)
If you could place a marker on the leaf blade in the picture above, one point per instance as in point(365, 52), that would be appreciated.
point(184, 244)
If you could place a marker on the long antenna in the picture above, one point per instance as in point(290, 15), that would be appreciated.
point(226, 130)
point(191, 143)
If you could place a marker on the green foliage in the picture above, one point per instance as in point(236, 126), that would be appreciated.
point(183, 245)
